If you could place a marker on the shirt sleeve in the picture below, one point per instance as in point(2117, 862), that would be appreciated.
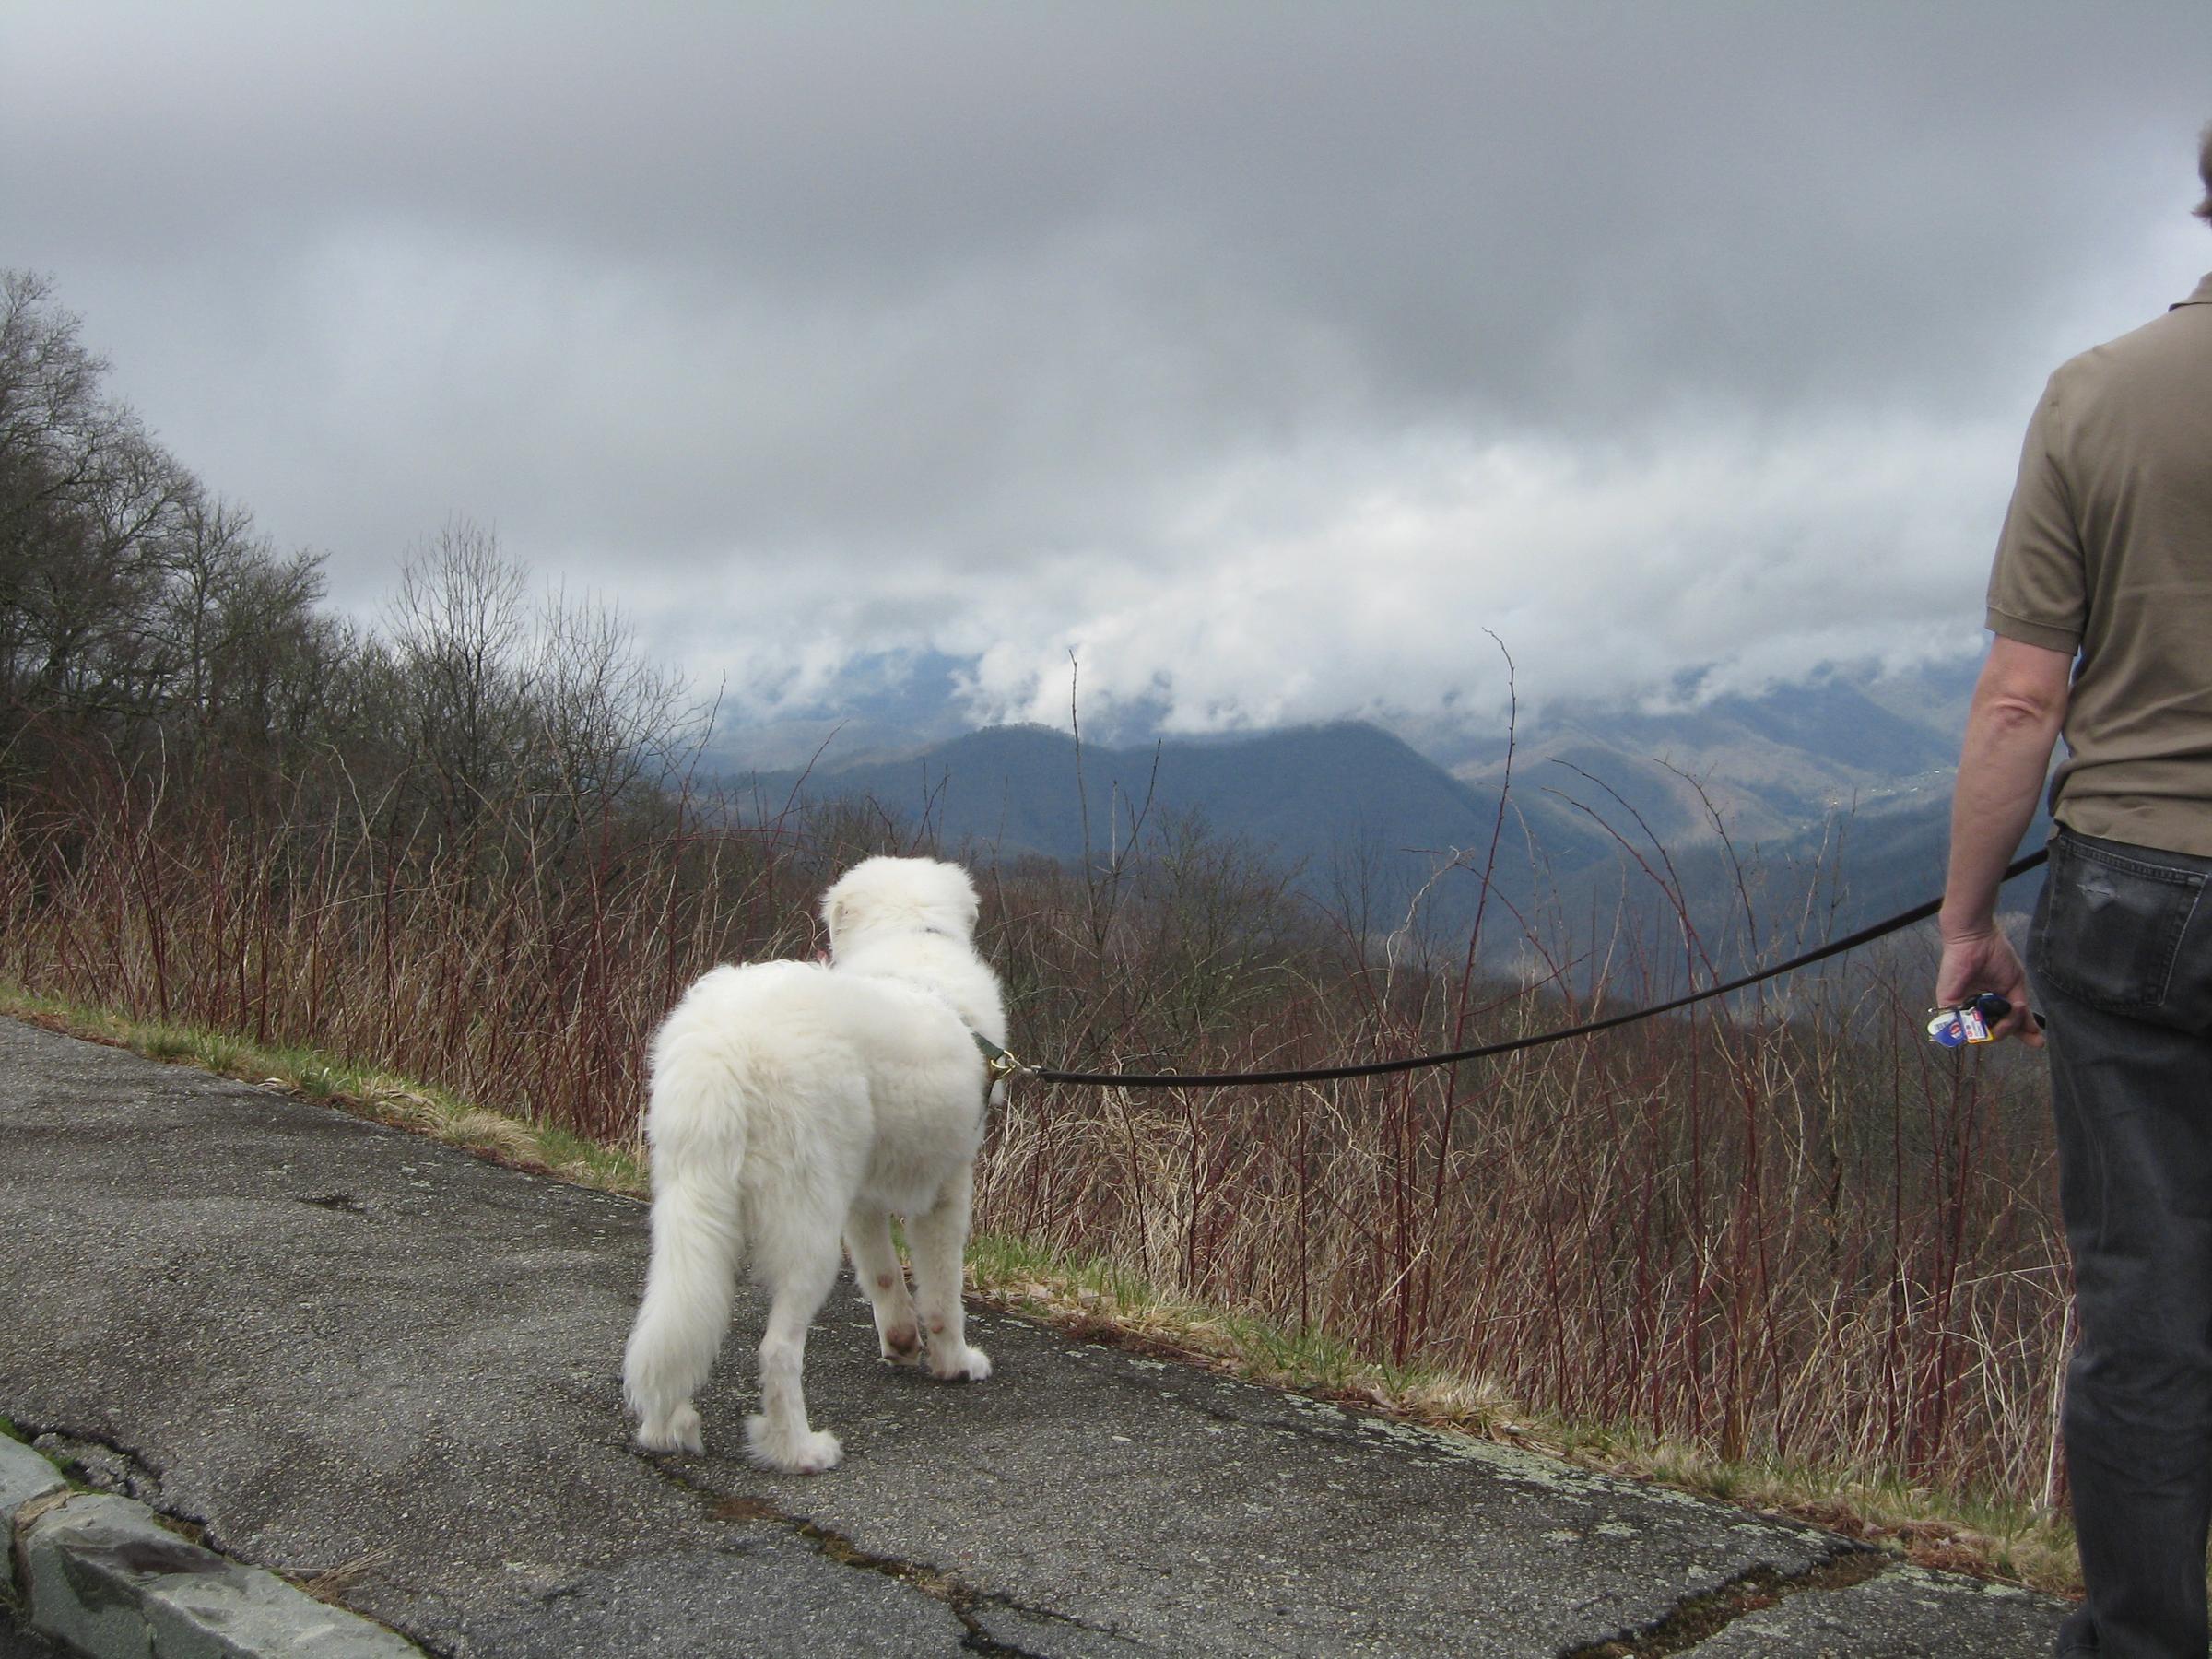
point(2039, 585)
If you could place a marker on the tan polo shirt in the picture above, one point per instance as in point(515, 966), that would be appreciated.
point(2107, 551)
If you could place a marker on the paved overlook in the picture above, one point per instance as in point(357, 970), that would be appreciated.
point(353, 1357)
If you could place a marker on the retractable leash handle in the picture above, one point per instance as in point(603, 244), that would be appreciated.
point(1974, 1022)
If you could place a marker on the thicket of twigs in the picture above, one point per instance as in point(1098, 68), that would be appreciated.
point(465, 846)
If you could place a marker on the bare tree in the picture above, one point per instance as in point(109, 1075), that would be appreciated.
point(608, 721)
point(548, 722)
point(91, 508)
point(249, 665)
point(460, 641)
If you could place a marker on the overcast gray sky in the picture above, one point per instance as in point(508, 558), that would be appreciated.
point(1261, 355)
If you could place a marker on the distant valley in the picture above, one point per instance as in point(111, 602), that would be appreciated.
point(1832, 794)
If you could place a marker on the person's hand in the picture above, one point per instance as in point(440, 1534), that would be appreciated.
point(1983, 961)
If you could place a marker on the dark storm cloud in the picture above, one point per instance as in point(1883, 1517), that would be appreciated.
point(1014, 330)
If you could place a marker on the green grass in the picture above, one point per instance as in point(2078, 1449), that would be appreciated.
point(1097, 1301)
point(423, 1108)
point(1962, 1531)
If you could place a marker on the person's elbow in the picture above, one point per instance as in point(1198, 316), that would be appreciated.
point(2024, 688)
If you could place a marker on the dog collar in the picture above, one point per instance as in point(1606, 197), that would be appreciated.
point(998, 1065)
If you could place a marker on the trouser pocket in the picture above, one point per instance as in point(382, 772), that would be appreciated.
point(2119, 928)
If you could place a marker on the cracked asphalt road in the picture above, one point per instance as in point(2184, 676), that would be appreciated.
point(354, 1356)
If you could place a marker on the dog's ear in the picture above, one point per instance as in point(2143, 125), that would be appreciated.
point(834, 914)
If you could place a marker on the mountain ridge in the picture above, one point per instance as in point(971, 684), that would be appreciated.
point(1839, 785)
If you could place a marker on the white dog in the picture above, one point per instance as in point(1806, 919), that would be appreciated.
point(791, 1100)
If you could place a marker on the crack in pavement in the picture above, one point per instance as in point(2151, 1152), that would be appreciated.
point(1696, 1618)
point(965, 1602)
point(125, 1470)
point(196, 1551)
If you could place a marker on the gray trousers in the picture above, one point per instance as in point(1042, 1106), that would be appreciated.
point(2121, 958)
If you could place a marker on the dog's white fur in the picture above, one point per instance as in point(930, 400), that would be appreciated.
point(791, 1100)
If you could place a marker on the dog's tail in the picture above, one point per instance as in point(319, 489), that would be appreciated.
point(698, 1242)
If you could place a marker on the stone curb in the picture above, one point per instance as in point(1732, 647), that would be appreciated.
point(101, 1574)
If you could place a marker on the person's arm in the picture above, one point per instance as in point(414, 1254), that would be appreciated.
point(2020, 704)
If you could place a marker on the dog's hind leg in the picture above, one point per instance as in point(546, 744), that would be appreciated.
point(799, 1267)
point(875, 1264)
point(939, 1239)
point(688, 1284)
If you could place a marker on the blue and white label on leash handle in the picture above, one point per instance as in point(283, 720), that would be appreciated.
point(1971, 1022)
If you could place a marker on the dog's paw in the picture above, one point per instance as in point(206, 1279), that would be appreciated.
point(815, 1452)
point(676, 1430)
point(900, 1345)
point(969, 1365)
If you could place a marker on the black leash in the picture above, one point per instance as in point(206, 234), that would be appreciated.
point(1003, 1065)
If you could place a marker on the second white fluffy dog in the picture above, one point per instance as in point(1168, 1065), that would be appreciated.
point(792, 1103)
